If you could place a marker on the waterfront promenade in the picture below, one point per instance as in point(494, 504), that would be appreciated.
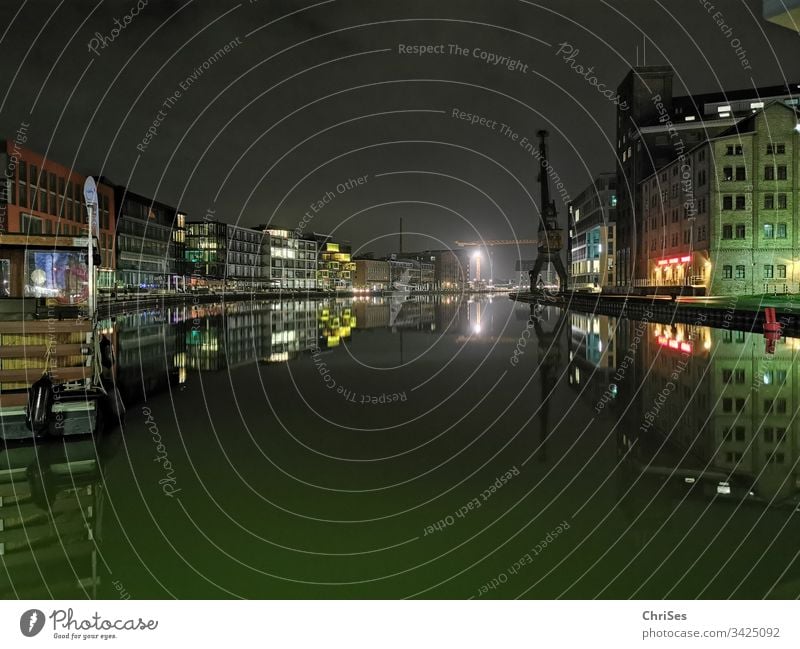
point(741, 312)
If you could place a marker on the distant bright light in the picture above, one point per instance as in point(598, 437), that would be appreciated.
point(797, 127)
point(477, 328)
point(689, 118)
point(723, 488)
point(476, 254)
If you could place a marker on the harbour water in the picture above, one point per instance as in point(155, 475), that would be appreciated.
point(439, 447)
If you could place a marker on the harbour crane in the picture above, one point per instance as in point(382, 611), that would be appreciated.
point(550, 232)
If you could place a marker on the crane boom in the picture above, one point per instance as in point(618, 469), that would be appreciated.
point(498, 242)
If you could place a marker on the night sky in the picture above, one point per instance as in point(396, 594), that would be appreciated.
point(311, 94)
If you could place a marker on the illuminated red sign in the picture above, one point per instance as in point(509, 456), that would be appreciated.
point(674, 260)
point(671, 343)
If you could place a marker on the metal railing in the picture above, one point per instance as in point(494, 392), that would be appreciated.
point(693, 280)
point(781, 288)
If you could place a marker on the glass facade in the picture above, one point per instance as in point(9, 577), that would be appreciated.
point(291, 260)
point(145, 247)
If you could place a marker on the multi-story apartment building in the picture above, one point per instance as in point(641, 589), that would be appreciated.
point(403, 273)
point(223, 254)
point(335, 268)
point(289, 259)
point(205, 250)
point(146, 256)
point(592, 235)
point(653, 129)
point(427, 276)
point(450, 268)
point(412, 273)
point(724, 217)
point(40, 196)
point(371, 274)
point(243, 259)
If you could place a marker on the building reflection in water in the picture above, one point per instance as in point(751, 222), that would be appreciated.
point(157, 348)
point(704, 407)
point(52, 499)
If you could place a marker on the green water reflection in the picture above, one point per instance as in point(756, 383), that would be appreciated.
point(439, 447)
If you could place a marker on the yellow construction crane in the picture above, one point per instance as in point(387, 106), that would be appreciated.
point(493, 242)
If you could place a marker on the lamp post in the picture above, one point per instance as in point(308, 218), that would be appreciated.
point(92, 207)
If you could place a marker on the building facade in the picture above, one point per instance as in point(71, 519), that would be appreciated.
point(371, 274)
point(592, 235)
point(40, 196)
point(223, 255)
point(289, 259)
point(450, 268)
point(243, 259)
point(725, 217)
point(655, 128)
point(206, 243)
point(146, 252)
point(335, 267)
